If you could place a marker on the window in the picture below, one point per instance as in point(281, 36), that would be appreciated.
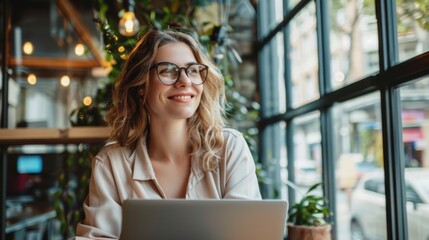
point(303, 56)
point(356, 95)
point(53, 63)
point(353, 41)
point(414, 109)
point(412, 33)
point(307, 152)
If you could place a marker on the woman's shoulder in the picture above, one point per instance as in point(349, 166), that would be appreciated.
point(111, 148)
point(231, 133)
point(232, 136)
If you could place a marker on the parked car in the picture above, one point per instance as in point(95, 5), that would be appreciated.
point(368, 210)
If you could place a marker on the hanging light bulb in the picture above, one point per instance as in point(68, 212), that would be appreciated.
point(129, 25)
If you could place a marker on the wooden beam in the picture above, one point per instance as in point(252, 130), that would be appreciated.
point(74, 135)
point(82, 31)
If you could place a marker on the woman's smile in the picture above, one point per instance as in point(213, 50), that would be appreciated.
point(182, 97)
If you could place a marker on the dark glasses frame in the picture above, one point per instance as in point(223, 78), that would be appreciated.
point(203, 78)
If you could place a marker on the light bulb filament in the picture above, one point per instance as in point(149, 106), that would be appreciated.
point(129, 25)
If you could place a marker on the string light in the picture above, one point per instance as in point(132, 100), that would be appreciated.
point(87, 101)
point(79, 49)
point(31, 79)
point(27, 48)
point(65, 81)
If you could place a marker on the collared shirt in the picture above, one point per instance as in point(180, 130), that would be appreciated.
point(119, 173)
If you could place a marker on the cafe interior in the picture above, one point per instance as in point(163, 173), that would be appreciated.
point(327, 93)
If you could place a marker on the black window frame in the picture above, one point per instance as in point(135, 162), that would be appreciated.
point(392, 75)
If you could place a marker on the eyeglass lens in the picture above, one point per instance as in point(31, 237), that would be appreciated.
point(169, 73)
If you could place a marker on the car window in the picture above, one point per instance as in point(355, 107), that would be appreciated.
point(371, 185)
point(380, 187)
point(375, 185)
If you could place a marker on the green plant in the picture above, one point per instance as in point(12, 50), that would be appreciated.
point(311, 210)
point(73, 187)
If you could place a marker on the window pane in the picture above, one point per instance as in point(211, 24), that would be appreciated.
point(52, 68)
point(35, 174)
point(272, 74)
point(413, 28)
point(292, 3)
point(359, 167)
point(303, 56)
point(274, 160)
point(269, 21)
point(278, 13)
point(48, 103)
point(283, 162)
point(415, 137)
point(353, 41)
point(307, 151)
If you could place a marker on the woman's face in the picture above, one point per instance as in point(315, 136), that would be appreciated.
point(177, 101)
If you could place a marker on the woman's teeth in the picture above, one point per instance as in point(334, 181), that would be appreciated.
point(182, 97)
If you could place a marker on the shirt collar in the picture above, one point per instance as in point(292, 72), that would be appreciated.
point(142, 169)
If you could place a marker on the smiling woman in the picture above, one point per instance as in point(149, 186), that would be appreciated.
point(168, 138)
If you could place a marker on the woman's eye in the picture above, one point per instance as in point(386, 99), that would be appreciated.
point(192, 70)
point(168, 70)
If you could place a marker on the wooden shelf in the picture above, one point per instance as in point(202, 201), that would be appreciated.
point(54, 63)
point(23, 136)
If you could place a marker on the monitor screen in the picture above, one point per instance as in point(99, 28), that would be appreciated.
point(29, 164)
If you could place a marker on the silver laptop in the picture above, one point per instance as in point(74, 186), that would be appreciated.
point(226, 219)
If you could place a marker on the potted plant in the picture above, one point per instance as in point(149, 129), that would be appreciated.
point(307, 217)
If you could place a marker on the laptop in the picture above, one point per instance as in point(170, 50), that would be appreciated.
point(226, 219)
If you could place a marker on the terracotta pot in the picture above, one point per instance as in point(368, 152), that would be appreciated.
point(308, 232)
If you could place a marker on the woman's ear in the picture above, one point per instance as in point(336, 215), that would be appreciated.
point(141, 92)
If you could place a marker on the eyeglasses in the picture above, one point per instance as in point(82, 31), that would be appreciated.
point(169, 73)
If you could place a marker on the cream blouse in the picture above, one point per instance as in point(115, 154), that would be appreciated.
point(119, 173)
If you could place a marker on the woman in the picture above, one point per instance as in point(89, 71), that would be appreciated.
point(168, 138)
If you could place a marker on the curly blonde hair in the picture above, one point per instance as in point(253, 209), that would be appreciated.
point(129, 115)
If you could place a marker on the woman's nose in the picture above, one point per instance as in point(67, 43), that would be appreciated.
point(183, 80)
